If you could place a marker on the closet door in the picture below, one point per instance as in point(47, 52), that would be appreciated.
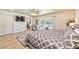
point(6, 24)
point(2, 25)
point(9, 24)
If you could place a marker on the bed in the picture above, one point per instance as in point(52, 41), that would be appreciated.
point(50, 39)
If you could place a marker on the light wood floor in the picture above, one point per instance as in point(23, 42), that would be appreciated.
point(10, 42)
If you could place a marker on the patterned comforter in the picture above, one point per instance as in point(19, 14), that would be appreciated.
point(51, 39)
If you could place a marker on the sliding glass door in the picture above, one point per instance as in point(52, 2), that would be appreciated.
point(46, 24)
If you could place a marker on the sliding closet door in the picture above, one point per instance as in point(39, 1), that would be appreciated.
point(9, 24)
point(2, 25)
point(6, 24)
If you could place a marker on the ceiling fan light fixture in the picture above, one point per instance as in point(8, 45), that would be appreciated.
point(34, 14)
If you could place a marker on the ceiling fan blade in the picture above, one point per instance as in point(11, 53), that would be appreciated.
point(34, 10)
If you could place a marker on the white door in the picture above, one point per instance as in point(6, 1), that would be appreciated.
point(2, 30)
point(9, 24)
point(5, 24)
point(2, 25)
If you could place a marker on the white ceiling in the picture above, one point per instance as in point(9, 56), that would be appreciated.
point(29, 12)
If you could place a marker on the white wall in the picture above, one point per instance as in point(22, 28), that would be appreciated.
point(10, 24)
point(77, 16)
point(60, 18)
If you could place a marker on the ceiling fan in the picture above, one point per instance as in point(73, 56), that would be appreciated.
point(35, 11)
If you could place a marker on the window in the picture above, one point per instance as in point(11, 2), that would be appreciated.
point(46, 24)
